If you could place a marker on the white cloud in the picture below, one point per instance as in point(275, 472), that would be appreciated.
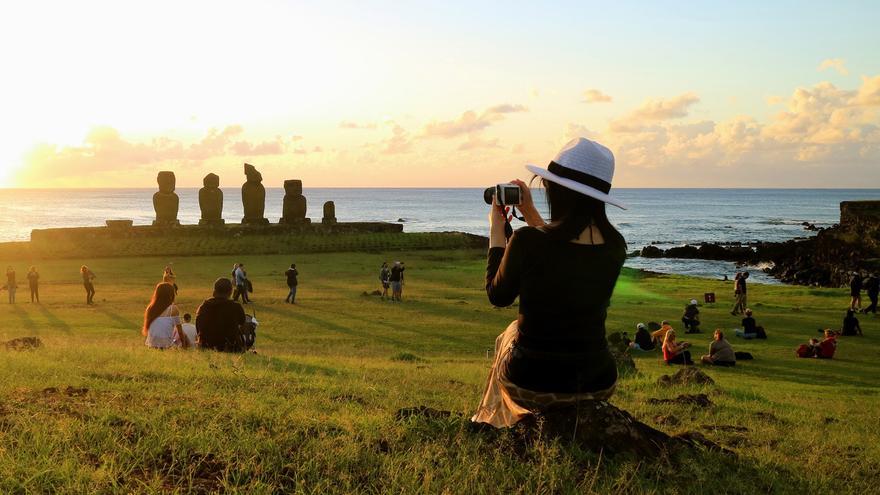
point(596, 96)
point(837, 64)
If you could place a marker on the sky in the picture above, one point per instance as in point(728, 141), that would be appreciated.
point(438, 94)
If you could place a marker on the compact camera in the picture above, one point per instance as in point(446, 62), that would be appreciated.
point(505, 195)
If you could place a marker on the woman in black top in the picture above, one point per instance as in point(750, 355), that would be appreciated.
point(563, 273)
point(851, 324)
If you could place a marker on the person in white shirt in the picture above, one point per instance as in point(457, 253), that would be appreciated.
point(162, 327)
point(189, 329)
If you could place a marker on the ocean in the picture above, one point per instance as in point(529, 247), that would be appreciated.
point(666, 217)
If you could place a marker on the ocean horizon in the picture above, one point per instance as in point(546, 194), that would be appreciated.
point(664, 217)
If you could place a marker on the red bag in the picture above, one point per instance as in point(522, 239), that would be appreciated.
point(805, 351)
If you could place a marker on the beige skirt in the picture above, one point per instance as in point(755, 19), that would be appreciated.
point(504, 404)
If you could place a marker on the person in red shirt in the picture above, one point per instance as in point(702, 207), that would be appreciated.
point(828, 345)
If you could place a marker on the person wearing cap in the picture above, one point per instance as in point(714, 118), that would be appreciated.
point(691, 318)
point(855, 292)
point(564, 273)
point(643, 340)
point(218, 320)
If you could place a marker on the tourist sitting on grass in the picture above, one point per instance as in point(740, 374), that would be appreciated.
point(720, 352)
point(808, 350)
point(643, 340)
point(691, 318)
point(675, 352)
point(828, 345)
point(555, 353)
point(162, 320)
point(750, 328)
point(851, 324)
point(189, 329)
point(218, 320)
point(658, 336)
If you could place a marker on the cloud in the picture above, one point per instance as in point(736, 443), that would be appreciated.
point(399, 142)
point(596, 96)
point(347, 124)
point(475, 142)
point(653, 111)
point(105, 150)
point(470, 122)
point(869, 93)
point(834, 63)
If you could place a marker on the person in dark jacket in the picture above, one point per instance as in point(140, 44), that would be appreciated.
point(218, 320)
point(855, 292)
point(851, 324)
point(691, 318)
point(872, 286)
point(563, 273)
point(643, 340)
point(292, 282)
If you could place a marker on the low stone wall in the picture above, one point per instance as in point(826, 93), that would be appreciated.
point(41, 236)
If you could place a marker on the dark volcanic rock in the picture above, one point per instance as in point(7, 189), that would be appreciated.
point(686, 376)
point(652, 252)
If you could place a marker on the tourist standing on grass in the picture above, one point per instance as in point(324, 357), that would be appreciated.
point(396, 280)
point(674, 352)
point(219, 320)
point(11, 284)
point(851, 324)
point(741, 293)
point(564, 272)
point(34, 284)
point(88, 277)
point(720, 352)
point(241, 284)
point(872, 286)
point(385, 279)
point(292, 282)
point(162, 327)
point(855, 292)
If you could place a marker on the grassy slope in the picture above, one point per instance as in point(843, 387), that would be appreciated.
point(313, 410)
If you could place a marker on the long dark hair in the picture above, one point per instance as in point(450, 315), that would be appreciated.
point(572, 212)
point(163, 297)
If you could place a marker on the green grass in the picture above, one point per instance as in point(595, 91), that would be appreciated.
point(313, 410)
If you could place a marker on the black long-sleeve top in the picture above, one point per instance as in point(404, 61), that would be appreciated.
point(564, 290)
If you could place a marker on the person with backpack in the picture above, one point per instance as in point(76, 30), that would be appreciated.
point(292, 282)
point(750, 329)
point(219, 320)
point(872, 286)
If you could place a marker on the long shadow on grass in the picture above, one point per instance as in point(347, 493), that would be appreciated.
point(53, 320)
point(26, 321)
point(814, 372)
point(119, 319)
point(336, 327)
point(289, 366)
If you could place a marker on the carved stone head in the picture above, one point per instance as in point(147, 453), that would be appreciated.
point(166, 181)
point(211, 181)
point(293, 187)
point(252, 174)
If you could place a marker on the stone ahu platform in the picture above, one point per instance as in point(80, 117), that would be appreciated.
point(123, 229)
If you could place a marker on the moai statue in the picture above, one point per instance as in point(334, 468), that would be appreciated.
point(329, 213)
point(294, 207)
point(166, 202)
point(211, 201)
point(253, 197)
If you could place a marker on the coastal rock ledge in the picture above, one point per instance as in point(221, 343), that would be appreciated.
point(826, 260)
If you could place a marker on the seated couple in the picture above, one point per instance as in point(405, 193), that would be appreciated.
point(816, 349)
point(750, 329)
point(218, 321)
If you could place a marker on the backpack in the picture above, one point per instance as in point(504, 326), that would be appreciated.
point(760, 333)
point(248, 331)
point(743, 356)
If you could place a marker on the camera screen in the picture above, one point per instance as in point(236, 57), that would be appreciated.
point(511, 195)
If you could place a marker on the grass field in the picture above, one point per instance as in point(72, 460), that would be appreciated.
point(313, 410)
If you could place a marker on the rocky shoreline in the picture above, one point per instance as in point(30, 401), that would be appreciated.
point(827, 259)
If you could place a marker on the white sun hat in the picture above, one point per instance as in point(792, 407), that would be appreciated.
point(693, 302)
point(583, 166)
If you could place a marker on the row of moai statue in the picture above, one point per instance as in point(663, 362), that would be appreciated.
point(253, 198)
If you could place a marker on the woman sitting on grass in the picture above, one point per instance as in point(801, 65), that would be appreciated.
point(564, 272)
point(851, 324)
point(720, 352)
point(162, 326)
point(828, 345)
point(674, 352)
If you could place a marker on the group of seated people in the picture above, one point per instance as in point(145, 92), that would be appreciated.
point(219, 321)
point(825, 348)
point(674, 352)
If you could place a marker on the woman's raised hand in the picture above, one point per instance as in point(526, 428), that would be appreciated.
point(527, 205)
